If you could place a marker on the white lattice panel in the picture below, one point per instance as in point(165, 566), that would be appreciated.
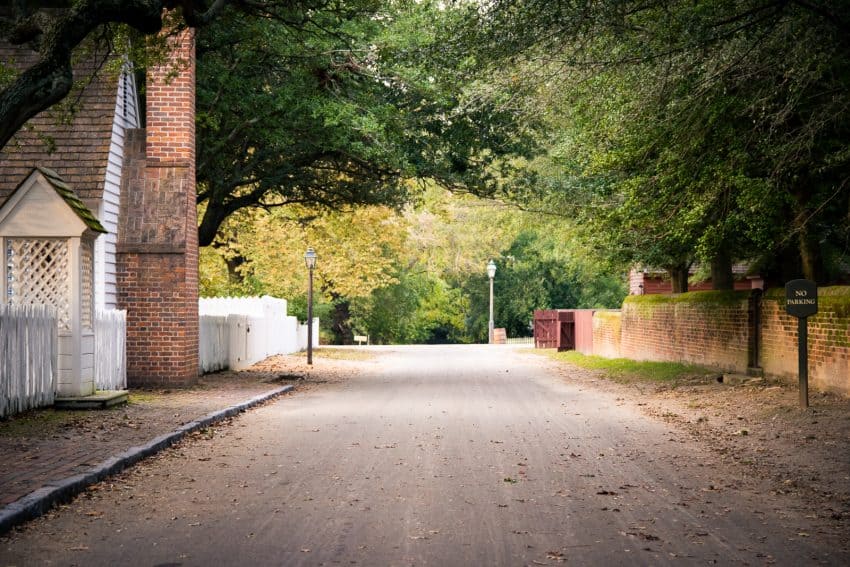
point(37, 274)
point(87, 284)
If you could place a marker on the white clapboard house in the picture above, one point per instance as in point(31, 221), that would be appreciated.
point(60, 194)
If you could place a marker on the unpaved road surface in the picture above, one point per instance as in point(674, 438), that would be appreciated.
point(434, 456)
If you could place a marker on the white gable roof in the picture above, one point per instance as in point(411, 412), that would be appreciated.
point(44, 207)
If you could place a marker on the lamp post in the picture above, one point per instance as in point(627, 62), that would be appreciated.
point(310, 260)
point(491, 271)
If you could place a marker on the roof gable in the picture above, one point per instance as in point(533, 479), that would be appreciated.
point(43, 205)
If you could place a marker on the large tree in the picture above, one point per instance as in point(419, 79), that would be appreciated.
point(299, 102)
point(54, 29)
point(328, 114)
point(331, 113)
point(713, 130)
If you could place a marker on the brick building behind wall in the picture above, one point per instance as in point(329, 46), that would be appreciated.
point(158, 246)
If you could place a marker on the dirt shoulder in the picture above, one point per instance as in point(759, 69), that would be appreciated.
point(757, 429)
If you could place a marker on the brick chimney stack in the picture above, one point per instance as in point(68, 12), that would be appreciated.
point(171, 106)
point(158, 247)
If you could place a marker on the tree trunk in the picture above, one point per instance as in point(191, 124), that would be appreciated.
point(679, 278)
point(234, 274)
point(811, 259)
point(810, 256)
point(214, 215)
point(721, 270)
point(341, 323)
point(59, 32)
point(232, 261)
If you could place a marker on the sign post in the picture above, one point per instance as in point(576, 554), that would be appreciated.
point(801, 301)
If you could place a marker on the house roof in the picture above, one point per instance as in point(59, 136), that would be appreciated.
point(63, 190)
point(71, 199)
point(77, 147)
point(738, 270)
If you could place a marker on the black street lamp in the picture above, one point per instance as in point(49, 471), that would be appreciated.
point(310, 260)
point(491, 271)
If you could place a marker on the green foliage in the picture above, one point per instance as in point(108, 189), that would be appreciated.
point(539, 265)
point(420, 308)
point(535, 272)
point(330, 114)
point(686, 131)
point(707, 298)
point(416, 278)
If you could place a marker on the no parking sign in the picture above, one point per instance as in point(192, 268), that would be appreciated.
point(801, 301)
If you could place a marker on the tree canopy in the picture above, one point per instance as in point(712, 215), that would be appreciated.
point(327, 114)
point(686, 131)
point(654, 132)
point(302, 102)
point(411, 276)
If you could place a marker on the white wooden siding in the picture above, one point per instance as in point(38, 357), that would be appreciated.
point(126, 117)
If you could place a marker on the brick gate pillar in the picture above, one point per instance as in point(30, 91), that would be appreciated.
point(158, 240)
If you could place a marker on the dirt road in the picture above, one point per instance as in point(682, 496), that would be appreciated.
point(432, 456)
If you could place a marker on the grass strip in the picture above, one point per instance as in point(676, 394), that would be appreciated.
point(627, 370)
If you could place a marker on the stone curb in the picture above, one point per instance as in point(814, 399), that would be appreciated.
point(56, 492)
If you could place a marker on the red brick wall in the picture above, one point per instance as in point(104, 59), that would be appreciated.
point(708, 328)
point(606, 333)
point(713, 329)
point(158, 241)
point(829, 339)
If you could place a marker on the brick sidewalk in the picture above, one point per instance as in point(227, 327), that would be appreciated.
point(46, 446)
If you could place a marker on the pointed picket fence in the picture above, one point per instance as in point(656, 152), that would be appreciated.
point(28, 357)
point(110, 349)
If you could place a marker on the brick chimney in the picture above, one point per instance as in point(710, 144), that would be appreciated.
point(158, 238)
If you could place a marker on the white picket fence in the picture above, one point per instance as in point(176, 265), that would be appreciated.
point(236, 332)
point(28, 357)
point(214, 343)
point(110, 349)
